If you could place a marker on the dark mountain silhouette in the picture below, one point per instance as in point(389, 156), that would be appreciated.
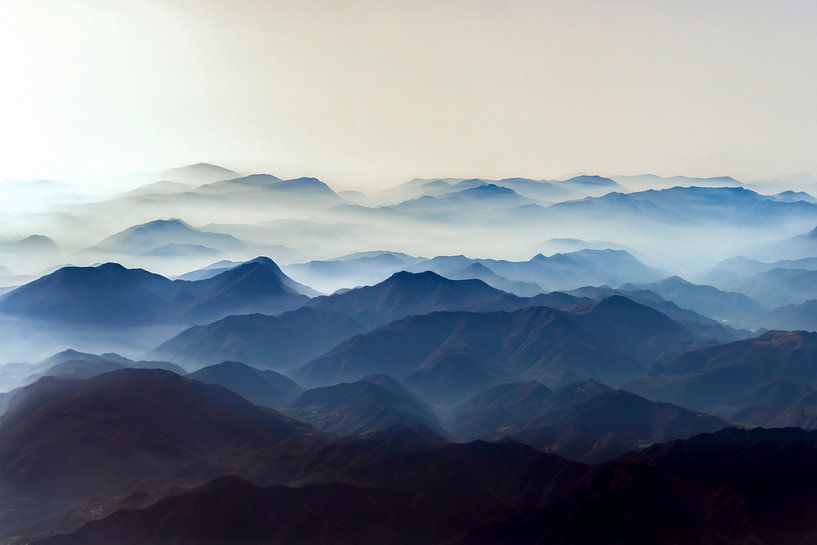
point(779, 404)
point(726, 488)
point(614, 422)
point(429, 494)
point(374, 403)
point(584, 421)
point(448, 356)
point(262, 387)
point(732, 307)
point(111, 295)
point(64, 441)
point(500, 410)
point(716, 379)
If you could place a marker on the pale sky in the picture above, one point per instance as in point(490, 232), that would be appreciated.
point(370, 93)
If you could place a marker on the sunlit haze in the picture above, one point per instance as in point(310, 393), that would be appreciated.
point(371, 93)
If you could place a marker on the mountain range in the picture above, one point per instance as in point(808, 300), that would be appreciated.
point(718, 379)
point(112, 295)
point(448, 356)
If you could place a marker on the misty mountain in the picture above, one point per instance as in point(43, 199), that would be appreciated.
point(371, 404)
point(210, 270)
point(448, 356)
point(793, 317)
point(540, 190)
point(702, 326)
point(158, 188)
point(567, 245)
point(779, 287)
point(276, 342)
point(463, 268)
point(156, 235)
point(523, 278)
point(716, 379)
point(350, 271)
point(199, 173)
point(32, 244)
point(78, 365)
point(262, 387)
point(73, 364)
point(64, 441)
point(560, 272)
point(652, 181)
point(457, 203)
point(732, 307)
point(729, 271)
point(267, 185)
point(590, 186)
point(687, 206)
point(794, 196)
point(111, 295)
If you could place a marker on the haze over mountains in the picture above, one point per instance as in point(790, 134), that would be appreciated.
point(230, 358)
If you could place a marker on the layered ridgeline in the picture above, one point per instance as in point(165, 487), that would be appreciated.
point(280, 482)
point(66, 441)
point(560, 271)
point(449, 355)
point(294, 338)
point(112, 295)
point(766, 380)
point(585, 420)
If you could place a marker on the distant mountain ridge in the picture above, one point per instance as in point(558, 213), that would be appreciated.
point(148, 237)
point(111, 294)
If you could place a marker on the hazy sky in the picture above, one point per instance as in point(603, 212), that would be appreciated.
point(373, 92)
